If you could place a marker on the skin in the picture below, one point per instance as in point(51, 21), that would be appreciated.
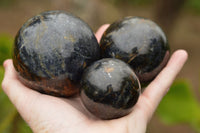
point(48, 114)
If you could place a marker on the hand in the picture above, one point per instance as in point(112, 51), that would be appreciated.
point(46, 113)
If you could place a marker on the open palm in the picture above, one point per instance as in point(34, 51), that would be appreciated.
point(50, 114)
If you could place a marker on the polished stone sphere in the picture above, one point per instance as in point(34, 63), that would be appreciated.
point(139, 42)
point(109, 88)
point(51, 50)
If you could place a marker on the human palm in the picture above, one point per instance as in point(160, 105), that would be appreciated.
point(46, 113)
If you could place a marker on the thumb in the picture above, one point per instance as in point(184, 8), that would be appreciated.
point(19, 94)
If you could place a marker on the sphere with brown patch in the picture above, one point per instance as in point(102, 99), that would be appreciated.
point(109, 88)
point(51, 50)
point(139, 42)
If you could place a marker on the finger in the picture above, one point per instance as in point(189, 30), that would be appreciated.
point(17, 92)
point(100, 31)
point(155, 91)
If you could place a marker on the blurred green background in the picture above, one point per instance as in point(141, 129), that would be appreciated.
point(179, 111)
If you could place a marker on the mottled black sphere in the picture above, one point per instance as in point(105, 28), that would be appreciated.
point(109, 88)
point(139, 42)
point(51, 50)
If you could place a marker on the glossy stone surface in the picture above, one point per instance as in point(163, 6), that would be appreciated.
point(51, 51)
point(139, 42)
point(109, 88)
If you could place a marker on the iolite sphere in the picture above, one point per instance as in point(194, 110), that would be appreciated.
point(51, 51)
point(139, 42)
point(109, 88)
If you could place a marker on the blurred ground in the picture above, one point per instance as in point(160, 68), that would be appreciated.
point(185, 33)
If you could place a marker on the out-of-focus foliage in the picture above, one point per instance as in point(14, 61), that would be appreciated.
point(6, 3)
point(5, 47)
point(180, 106)
point(10, 120)
point(133, 2)
point(194, 4)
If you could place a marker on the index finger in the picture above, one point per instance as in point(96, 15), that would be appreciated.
point(100, 31)
point(156, 90)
